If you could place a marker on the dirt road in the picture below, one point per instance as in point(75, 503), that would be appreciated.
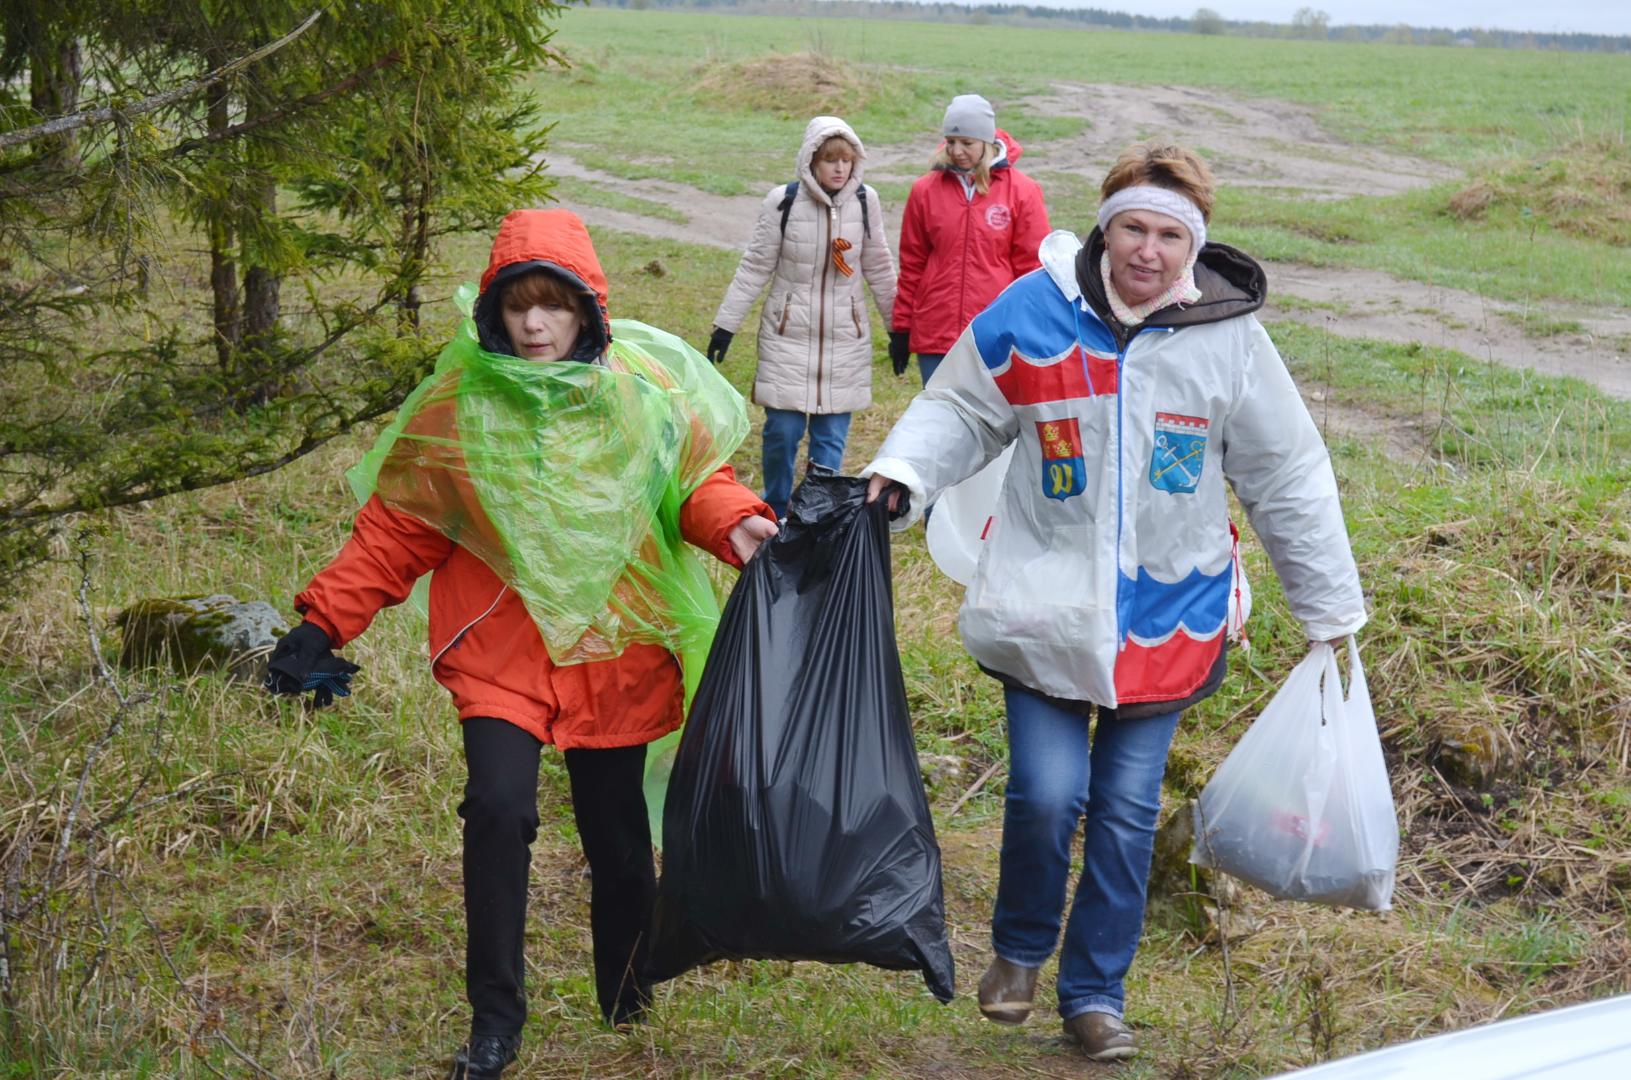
point(1249, 142)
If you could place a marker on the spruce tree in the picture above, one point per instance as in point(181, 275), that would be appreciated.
point(216, 221)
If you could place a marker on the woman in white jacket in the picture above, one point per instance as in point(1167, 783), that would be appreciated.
point(815, 241)
point(1133, 380)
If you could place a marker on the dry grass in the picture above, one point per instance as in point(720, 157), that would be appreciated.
point(790, 85)
point(1584, 189)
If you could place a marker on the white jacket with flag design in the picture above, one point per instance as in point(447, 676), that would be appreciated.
point(1105, 573)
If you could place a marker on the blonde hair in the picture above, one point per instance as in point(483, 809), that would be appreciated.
point(834, 148)
point(1166, 166)
point(980, 173)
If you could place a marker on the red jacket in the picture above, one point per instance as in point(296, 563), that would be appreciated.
point(484, 646)
point(956, 255)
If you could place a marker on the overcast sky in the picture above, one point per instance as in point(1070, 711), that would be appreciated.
point(1557, 16)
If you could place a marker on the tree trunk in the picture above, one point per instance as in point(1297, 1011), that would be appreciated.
point(224, 288)
point(54, 74)
point(226, 301)
point(414, 240)
point(262, 286)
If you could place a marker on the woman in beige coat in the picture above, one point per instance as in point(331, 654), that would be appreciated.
point(815, 241)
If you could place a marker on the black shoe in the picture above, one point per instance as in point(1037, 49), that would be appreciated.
point(484, 1057)
point(631, 1009)
point(626, 1018)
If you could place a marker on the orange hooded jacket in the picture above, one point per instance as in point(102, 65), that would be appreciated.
point(484, 645)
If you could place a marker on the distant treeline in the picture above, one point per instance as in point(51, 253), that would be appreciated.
point(1308, 24)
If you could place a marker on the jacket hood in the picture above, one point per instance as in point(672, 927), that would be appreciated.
point(816, 132)
point(1011, 147)
point(555, 241)
point(1230, 281)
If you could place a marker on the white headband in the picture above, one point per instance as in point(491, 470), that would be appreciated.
point(1162, 201)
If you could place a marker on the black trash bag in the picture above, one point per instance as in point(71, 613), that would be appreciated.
point(796, 827)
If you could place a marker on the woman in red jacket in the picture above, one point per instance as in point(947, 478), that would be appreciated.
point(547, 476)
point(972, 224)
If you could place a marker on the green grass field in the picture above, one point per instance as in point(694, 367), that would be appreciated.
point(277, 892)
point(698, 99)
point(1463, 106)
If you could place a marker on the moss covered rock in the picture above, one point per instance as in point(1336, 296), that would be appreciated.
point(192, 633)
point(1478, 757)
point(1183, 896)
point(942, 774)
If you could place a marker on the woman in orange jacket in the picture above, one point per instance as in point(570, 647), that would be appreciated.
point(550, 502)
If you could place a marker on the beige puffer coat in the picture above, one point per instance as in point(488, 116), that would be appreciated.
point(815, 340)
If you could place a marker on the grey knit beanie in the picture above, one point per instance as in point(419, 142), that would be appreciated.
point(972, 117)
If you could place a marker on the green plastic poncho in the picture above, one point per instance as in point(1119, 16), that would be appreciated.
point(566, 479)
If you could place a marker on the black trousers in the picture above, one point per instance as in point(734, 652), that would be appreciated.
point(500, 812)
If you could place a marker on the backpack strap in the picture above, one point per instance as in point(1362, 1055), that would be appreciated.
point(786, 207)
point(792, 193)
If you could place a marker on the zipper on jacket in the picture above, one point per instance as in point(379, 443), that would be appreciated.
point(787, 302)
point(821, 303)
point(1121, 468)
point(970, 194)
point(962, 288)
point(456, 638)
point(1121, 506)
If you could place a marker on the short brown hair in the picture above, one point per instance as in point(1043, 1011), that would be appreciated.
point(1166, 166)
point(540, 287)
point(835, 148)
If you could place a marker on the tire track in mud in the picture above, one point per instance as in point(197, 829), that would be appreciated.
point(1369, 304)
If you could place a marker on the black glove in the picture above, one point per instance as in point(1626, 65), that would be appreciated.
point(903, 505)
point(718, 344)
point(303, 660)
point(900, 350)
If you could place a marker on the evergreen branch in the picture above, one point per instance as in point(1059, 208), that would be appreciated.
point(108, 113)
point(299, 104)
point(146, 489)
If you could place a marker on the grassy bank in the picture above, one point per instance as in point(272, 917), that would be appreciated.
point(250, 889)
point(287, 882)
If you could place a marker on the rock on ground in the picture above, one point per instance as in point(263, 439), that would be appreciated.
point(190, 633)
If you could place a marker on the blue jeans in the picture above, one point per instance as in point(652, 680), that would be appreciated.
point(1050, 765)
point(784, 430)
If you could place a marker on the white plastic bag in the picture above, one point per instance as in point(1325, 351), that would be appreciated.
point(1302, 807)
point(956, 530)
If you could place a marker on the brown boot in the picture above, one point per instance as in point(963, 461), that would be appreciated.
point(1006, 991)
point(1101, 1036)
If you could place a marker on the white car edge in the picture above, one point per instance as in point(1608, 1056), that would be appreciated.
point(1581, 1042)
